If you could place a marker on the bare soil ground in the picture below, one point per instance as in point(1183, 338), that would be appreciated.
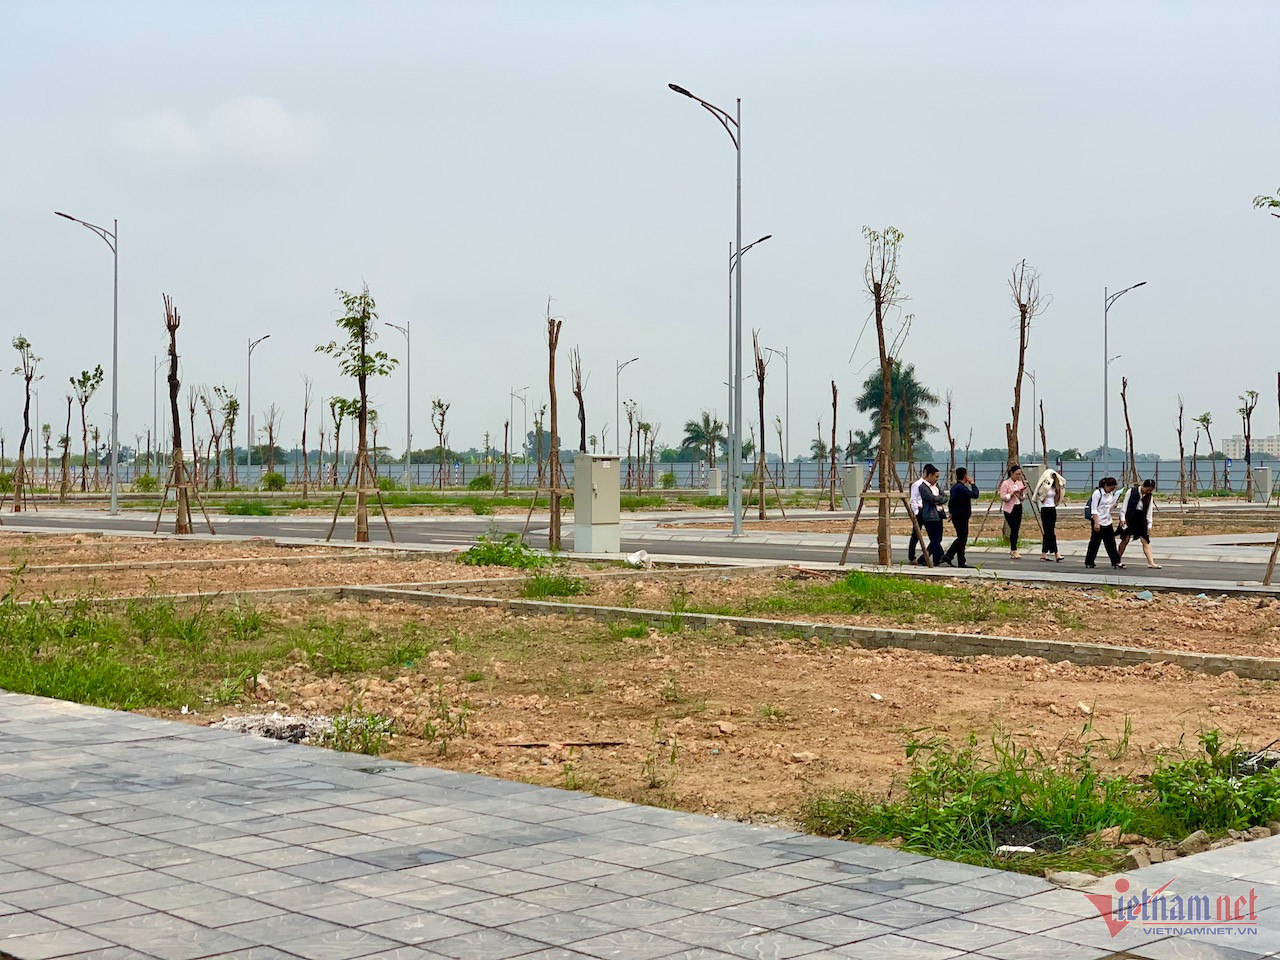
point(178, 566)
point(1168, 621)
point(708, 721)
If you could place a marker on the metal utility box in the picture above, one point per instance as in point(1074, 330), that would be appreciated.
point(596, 491)
point(851, 481)
point(715, 483)
point(1262, 480)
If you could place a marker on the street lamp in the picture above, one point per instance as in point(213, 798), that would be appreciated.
point(111, 238)
point(248, 402)
point(735, 382)
point(732, 126)
point(786, 443)
point(617, 403)
point(408, 399)
point(1107, 300)
point(524, 441)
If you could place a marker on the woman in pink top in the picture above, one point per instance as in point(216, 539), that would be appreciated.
point(1012, 492)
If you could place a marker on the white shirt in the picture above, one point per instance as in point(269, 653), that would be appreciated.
point(1101, 505)
point(916, 501)
point(1049, 500)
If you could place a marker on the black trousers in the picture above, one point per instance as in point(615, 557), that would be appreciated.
point(934, 530)
point(914, 541)
point(1104, 536)
point(1014, 519)
point(956, 550)
point(1049, 520)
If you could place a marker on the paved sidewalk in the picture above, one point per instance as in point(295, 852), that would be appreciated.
point(123, 836)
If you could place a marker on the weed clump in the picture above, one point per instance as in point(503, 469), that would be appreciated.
point(508, 551)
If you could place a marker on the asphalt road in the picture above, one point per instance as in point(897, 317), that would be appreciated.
point(462, 531)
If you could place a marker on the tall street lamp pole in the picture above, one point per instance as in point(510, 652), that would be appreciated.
point(732, 126)
point(511, 416)
point(408, 400)
point(617, 403)
point(248, 423)
point(786, 443)
point(735, 382)
point(111, 238)
point(1107, 300)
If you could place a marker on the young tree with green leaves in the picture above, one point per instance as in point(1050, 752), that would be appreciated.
point(357, 358)
point(26, 368)
point(440, 410)
point(1206, 420)
point(84, 387)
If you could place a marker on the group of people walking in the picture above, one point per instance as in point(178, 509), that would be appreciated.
point(1113, 524)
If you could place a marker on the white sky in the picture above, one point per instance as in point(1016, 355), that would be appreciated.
point(468, 159)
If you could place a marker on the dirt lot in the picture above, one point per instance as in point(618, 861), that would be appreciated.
point(1168, 621)
point(707, 721)
point(179, 566)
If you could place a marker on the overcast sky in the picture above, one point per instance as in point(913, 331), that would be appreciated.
point(469, 159)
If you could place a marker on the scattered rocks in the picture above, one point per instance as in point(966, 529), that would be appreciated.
point(1274, 827)
point(804, 756)
point(1071, 879)
point(1198, 842)
point(726, 728)
point(277, 726)
point(1110, 836)
point(1136, 859)
point(1084, 708)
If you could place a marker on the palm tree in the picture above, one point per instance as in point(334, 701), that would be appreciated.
point(705, 433)
point(864, 446)
point(911, 400)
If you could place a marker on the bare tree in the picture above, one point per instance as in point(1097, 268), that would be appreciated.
point(881, 279)
point(1195, 468)
point(46, 434)
point(1249, 402)
point(762, 369)
point(64, 465)
point(1182, 457)
point(439, 411)
point(272, 417)
point(1024, 286)
point(642, 429)
point(215, 435)
point(192, 397)
point(84, 387)
point(951, 441)
point(172, 321)
point(1206, 420)
point(506, 458)
point(629, 406)
point(1128, 431)
point(229, 407)
point(337, 412)
point(575, 374)
point(835, 449)
point(306, 410)
point(26, 368)
point(1044, 443)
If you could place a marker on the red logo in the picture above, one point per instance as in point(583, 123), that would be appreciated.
point(1161, 912)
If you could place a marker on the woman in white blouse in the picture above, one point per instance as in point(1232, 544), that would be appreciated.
point(1048, 494)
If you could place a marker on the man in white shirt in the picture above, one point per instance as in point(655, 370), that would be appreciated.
point(1101, 505)
point(915, 504)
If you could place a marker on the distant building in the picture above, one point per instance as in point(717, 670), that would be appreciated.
point(1233, 447)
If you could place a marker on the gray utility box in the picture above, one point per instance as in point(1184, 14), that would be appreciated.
point(715, 485)
point(596, 490)
point(1262, 480)
point(851, 481)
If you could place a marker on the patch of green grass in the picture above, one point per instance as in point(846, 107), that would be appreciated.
point(506, 551)
point(246, 508)
point(626, 630)
point(552, 584)
point(888, 595)
point(770, 712)
point(358, 731)
point(962, 802)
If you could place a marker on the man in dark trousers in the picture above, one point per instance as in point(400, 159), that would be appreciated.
point(932, 511)
point(963, 493)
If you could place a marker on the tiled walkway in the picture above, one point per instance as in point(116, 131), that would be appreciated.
point(123, 836)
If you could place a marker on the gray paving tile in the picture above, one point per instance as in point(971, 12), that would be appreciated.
point(54, 943)
point(892, 946)
point(559, 929)
point(355, 913)
point(420, 928)
point(769, 914)
point(278, 928)
point(901, 913)
point(571, 896)
point(836, 930)
point(168, 938)
point(962, 934)
point(222, 913)
point(1020, 917)
point(1036, 947)
point(485, 945)
point(340, 944)
point(701, 897)
point(634, 912)
point(84, 912)
point(495, 911)
point(629, 945)
point(25, 924)
point(1180, 948)
point(771, 946)
point(704, 929)
point(960, 896)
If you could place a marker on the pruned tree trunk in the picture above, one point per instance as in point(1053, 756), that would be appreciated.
point(881, 277)
point(761, 370)
point(832, 505)
point(1182, 457)
point(306, 410)
point(1024, 285)
point(951, 441)
point(506, 458)
point(182, 523)
point(1128, 431)
point(64, 465)
point(575, 371)
point(553, 457)
point(1044, 443)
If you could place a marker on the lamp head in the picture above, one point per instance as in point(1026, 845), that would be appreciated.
point(681, 90)
point(59, 213)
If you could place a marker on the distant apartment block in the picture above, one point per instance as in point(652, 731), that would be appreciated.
point(1233, 447)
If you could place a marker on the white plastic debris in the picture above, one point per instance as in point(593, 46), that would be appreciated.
point(640, 560)
point(1012, 851)
point(876, 696)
